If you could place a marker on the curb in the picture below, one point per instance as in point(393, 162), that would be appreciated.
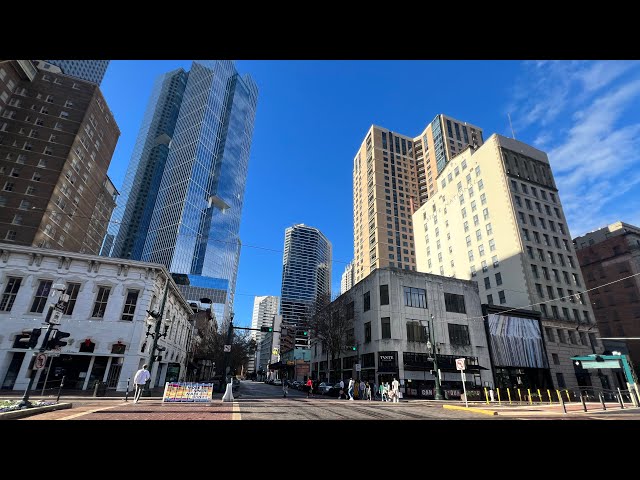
point(28, 412)
point(471, 409)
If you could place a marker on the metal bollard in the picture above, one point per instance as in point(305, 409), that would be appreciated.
point(604, 407)
point(486, 395)
point(584, 405)
point(126, 395)
point(620, 401)
point(60, 388)
point(564, 407)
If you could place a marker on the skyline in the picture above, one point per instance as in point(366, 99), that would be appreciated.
point(317, 112)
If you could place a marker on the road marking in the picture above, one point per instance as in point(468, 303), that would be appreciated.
point(236, 412)
point(70, 417)
point(470, 409)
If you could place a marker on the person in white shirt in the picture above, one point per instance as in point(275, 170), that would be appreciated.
point(351, 386)
point(395, 386)
point(139, 380)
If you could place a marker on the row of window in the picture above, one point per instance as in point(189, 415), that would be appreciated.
point(551, 258)
point(43, 291)
point(416, 297)
point(416, 332)
point(524, 188)
point(542, 221)
point(569, 336)
point(538, 206)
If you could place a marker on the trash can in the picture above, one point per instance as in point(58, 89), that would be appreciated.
point(99, 389)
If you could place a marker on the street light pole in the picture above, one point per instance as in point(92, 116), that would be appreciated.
point(227, 355)
point(156, 335)
point(438, 393)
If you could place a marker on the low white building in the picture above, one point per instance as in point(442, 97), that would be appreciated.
point(105, 315)
point(392, 313)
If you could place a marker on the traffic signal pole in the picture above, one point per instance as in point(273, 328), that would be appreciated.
point(25, 403)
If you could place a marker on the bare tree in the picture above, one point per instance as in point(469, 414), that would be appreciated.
point(331, 324)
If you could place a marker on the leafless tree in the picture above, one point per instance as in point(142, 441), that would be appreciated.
point(331, 324)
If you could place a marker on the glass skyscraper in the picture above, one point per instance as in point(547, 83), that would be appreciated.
point(192, 223)
point(306, 277)
point(91, 70)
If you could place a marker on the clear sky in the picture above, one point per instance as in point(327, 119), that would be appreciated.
point(312, 117)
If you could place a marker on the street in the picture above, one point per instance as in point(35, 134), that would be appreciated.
point(259, 401)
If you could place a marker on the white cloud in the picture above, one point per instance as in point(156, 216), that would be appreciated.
point(583, 113)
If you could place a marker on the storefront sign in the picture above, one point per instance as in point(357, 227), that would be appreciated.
point(187, 392)
point(388, 362)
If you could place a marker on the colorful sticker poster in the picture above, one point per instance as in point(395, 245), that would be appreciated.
point(187, 392)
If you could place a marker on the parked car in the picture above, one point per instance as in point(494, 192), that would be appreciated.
point(324, 388)
point(277, 382)
point(334, 391)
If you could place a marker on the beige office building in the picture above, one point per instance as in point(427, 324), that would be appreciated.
point(393, 175)
point(497, 218)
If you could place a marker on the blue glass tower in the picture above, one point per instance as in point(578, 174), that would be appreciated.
point(194, 219)
point(91, 70)
point(127, 231)
point(306, 278)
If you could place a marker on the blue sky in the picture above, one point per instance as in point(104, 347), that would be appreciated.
point(313, 115)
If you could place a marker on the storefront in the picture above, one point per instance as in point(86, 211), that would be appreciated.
point(387, 367)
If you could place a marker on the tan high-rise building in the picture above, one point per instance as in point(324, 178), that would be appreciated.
point(497, 219)
point(57, 137)
point(393, 175)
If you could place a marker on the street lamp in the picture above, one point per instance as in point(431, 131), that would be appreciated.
point(155, 318)
point(433, 348)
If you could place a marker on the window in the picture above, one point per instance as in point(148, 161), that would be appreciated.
point(415, 297)
point(484, 266)
point(502, 297)
point(490, 299)
point(71, 290)
point(487, 283)
point(386, 327)
point(100, 304)
point(556, 359)
point(495, 261)
point(367, 302)
point(458, 334)
point(498, 278)
point(10, 292)
point(549, 333)
point(478, 235)
point(367, 332)
point(454, 303)
point(384, 294)
point(130, 305)
point(485, 213)
point(560, 379)
point(415, 332)
point(489, 229)
point(40, 300)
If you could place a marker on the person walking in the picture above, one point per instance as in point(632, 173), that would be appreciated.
point(351, 386)
point(310, 388)
point(342, 389)
point(285, 388)
point(367, 389)
point(395, 386)
point(139, 380)
point(362, 390)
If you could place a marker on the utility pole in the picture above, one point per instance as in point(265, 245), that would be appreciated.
point(438, 387)
point(227, 354)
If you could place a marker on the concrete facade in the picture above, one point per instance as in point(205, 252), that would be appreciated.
point(498, 219)
point(410, 365)
point(392, 175)
point(610, 259)
point(107, 341)
point(57, 137)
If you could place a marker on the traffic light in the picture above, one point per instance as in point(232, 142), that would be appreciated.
point(266, 329)
point(56, 339)
point(305, 333)
point(30, 337)
point(352, 347)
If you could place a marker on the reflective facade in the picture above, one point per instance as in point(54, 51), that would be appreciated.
point(195, 221)
point(91, 70)
point(306, 275)
point(128, 230)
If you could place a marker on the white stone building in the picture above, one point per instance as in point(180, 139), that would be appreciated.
point(497, 219)
point(346, 281)
point(106, 317)
point(264, 309)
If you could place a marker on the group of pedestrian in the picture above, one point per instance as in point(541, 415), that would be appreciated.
point(390, 393)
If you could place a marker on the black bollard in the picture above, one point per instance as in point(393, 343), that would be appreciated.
point(584, 405)
point(60, 388)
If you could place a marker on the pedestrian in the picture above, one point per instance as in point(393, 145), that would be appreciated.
point(363, 391)
point(285, 388)
point(367, 389)
point(310, 388)
point(351, 387)
point(395, 386)
point(381, 388)
point(341, 389)
point(140, 380)
point(376, 390)
point(491, 394)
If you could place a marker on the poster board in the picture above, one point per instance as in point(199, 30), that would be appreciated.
point(187, 392)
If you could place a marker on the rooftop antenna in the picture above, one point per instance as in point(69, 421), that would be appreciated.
point(513, 134)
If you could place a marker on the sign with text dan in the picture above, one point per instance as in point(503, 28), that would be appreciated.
point(187, 392)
